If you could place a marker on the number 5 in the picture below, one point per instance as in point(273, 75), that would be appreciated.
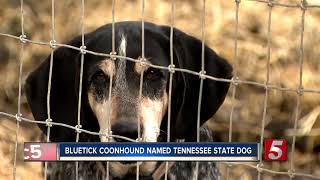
point(275, 152)
point(36, 152)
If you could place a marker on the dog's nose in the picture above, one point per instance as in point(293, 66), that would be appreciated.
point(129, 130)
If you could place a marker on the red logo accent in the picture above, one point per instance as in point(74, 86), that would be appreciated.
point(40, 151)
point(275, 149)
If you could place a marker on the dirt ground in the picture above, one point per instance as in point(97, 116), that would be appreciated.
point(220, 28)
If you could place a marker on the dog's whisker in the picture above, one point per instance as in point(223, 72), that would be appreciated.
point(162, 131)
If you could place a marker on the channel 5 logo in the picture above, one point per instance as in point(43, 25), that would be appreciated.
point(275, 149)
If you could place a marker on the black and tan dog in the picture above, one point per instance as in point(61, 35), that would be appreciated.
point(127, 108)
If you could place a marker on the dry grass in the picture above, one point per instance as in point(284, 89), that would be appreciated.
point(220, 25)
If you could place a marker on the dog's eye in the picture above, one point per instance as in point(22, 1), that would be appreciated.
point(152, 74)
point(99, 77)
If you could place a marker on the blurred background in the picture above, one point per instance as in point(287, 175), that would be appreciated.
point(220, 28)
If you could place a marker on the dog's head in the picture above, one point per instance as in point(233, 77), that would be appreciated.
point(127, 108)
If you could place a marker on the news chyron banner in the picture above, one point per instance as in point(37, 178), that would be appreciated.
point(141, 151)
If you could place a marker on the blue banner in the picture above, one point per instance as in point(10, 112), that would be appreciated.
point(131, 151)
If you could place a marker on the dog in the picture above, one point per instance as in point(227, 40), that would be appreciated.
point(127, 106)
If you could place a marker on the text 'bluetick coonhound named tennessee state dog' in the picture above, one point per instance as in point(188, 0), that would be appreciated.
point(127, 108)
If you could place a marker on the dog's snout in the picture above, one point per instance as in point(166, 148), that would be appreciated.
point(127, 129)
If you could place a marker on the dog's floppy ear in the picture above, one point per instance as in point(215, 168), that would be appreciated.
point(187, 50)
point(63, 99)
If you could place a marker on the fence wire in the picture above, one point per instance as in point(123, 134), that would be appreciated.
point(105, 134)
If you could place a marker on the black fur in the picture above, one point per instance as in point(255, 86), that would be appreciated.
point(187, 55)
point(97, 170)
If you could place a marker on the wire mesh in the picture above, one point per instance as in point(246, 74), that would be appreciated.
point(170, 81)
point(265, 104)
point(235, 81)
point(82, 48)
point(113, 52)
point(52, 45)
